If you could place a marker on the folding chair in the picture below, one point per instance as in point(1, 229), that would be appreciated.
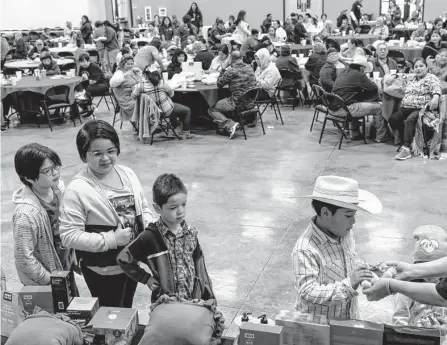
point(24, 102)
point(290, 83)
point(65, 55)
point(56, 99)
point(320, 105)
point(399, 57)
point(429, 51)
point(249, 97)
point(165, 125)
point(341, 117)
point(107, 97)
point(94, 56)
point(117, 109)
point(263, 99)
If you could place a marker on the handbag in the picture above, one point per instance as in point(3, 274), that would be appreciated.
point(394, 86)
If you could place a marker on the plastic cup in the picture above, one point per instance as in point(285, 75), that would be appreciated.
point(60, 44)
point(294, 55)
point(72, 72)
point(165, 76)
point(301, 56)
point(393, 71)
point(13, 81)
point(19, 75)
point(343, 33)
point(376, 75)
point(303, 42)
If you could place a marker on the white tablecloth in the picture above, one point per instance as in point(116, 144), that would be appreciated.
point(31, 64)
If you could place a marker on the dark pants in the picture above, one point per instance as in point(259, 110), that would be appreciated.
point(111, 290)
point(182, 112)
point(404, 120)
point(96, 90)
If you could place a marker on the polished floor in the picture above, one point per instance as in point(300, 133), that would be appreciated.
point(240, 199)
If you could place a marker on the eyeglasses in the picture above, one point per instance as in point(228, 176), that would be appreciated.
point(110, 153)
point(51, 170)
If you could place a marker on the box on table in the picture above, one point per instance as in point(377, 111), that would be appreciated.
point(61, 285)
point(12, 312)
point(397, 335)
point(83, 308)
point(260, 334)
point(299, 332)
point(41, 296)
point(354, 332)
point(115, 323)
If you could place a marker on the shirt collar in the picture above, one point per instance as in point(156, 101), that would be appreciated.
point(323, 237)
point(166, 232)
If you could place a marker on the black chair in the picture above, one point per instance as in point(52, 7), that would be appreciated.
point(94, 57)
point(365, 28)
point(56, 102)
point(251, 114)
point(330, 43)
point(142, 44)
point(117, 109)
point(368, 52)
point(320, 105)
point(429, 51)
point(25, 103)
point(67, 66)
point(290, 83)
point(249, 57)
point(265, 100)
point(340, 116)
point(66, 55)
point(399, 57)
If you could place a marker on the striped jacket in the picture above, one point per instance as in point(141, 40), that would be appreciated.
point(35, 252)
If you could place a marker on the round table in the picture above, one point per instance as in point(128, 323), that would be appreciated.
point(366, 39)
point(66, 49)
point(211, 93)
point(31, 64)
point(410, 53)
point(29, 83)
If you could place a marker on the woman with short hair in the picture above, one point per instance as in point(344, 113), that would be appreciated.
point(103, 209)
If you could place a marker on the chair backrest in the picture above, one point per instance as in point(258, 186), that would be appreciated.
point(142, 44)
point(319, 93)
point(334, 102)
point(429, 51)
point(249, 96)
point(65, 54)
point(68, 66)
point(288, 74)
point(115, 100)
point(330, 43)
point(58, 94)
point(28, 102)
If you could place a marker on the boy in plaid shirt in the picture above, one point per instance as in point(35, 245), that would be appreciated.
point(326, 266)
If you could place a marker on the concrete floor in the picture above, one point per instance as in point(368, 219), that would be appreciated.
point(240, 201)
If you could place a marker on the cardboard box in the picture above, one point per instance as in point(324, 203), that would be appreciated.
point(61, 283)
point(353, 332)
point(259, 334)
point(116, 323)
point(83, 308)
point(40, 296)
point(398, 335)
point(302, 332)
point(12, 312)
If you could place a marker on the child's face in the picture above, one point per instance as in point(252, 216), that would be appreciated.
point(173, 212)
point(48, 176)
point(180, 58)
point(340, 222)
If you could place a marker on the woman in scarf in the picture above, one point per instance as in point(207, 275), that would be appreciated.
point(150, 54)
point(422, 89)
point(175, 66)
point(196, 15)
point(221, 61)
point(267, 74)
point(86, 30)
point(122, 83)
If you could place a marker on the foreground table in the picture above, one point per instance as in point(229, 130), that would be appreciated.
point(211, 93)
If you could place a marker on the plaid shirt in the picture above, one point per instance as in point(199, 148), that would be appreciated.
point(322, 267)
point(181, 247)
point(160, 94)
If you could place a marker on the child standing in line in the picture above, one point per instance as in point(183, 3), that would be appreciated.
point(169, 247)
point(431, 244)
point(327, 269)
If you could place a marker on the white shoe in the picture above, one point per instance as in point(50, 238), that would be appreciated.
point(233, 130)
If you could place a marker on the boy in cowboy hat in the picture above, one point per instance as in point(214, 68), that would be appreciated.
point(327, 269)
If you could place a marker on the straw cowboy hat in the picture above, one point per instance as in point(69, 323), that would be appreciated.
point(344, 192)
point(360, 60)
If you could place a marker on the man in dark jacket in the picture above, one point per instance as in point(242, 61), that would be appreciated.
point(203, 55)
point(299, 30)
point(360, 95)
point(240, 78)
point(285, 61)
point(328, 73)
point(383, 64)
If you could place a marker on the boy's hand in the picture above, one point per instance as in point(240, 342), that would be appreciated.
point(378, 290)
point(404, 270)
point(153, 284)
point(358, 275)
point(123, 236)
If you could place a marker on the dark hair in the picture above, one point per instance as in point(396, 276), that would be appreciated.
point(437, 20)
point(73, 33)
point(165, 186)
point(186, 19)
point(190, 11)
point(125, 51)
point(79, 42)
point(84, 57)
point(133, 44)
point(324, 14)
point(254, 31)
point(429, 36)
point(46, 29)
point(278, 22)
point(125, 59)
point(300, 16)
point(107, 23)
point(231, 16)
point(86, 18)
point(224, 49)
point(29, 159)
point(201, 39)
point(308, 15)
point(240, 16)
point(220, 21)
point(268, 15)
point(163, 21)
point(156, 42)
point(92, 130)
point(420, 59)
point(98, 23)
point(154, 77)
point(176, 54)
point(318, 206)
point(356, 42)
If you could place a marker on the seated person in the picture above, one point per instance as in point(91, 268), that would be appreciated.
point(330, 70)
point(380, 29)
point(21, 51)
point(299, 30)
point(354, 48)
point(150, 54)
point(438, 67)
point(134, 48)
point(161, 93)
point(45, 36)
point(152, 31)
point(286, 61)
point(267, 75)
point(123, 82)
point(221, 61)
point(175, 67)
point(124, 51)
point(326, 283)
point(250, 42)
point(315, 62)
point(186, 30)
point(240, 78)
point(408, 312)
point(48, 64)
point(218, 33)
point(360, 95)
point(189, 45)
point(341, 17)
point(37, 50)
point(420, 33)
point(271, 34)
point(345, 26)
point(383, 63)
point(203, 54)
point(422, 88)
point(365, 19)
point(79, 51)
point(74, 35)
point(434, 40)
point(95, 82)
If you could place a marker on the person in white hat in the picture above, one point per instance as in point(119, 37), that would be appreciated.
point(360, 95)
point(327, 269)
point(431, 244)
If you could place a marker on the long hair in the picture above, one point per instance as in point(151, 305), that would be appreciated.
point(154, 77)
point(240, 17)
point(86, 19)
point(156, 42)
point(190, 11)
point(163, 22)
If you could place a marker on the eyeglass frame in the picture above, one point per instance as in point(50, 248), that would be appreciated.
point(108, 153)
point(50, 170)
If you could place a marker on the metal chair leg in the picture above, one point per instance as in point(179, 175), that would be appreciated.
point(322, 129)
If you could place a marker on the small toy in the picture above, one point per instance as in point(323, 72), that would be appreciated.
point(245, 317)
point(263, 318)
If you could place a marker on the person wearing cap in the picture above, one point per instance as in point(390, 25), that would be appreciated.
point(331, 69)
point(327, 269)
point(267, 23)
point(360, 95)
point(48, 64)
point(286, 61)
point(431, 244)
point(315, 62)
